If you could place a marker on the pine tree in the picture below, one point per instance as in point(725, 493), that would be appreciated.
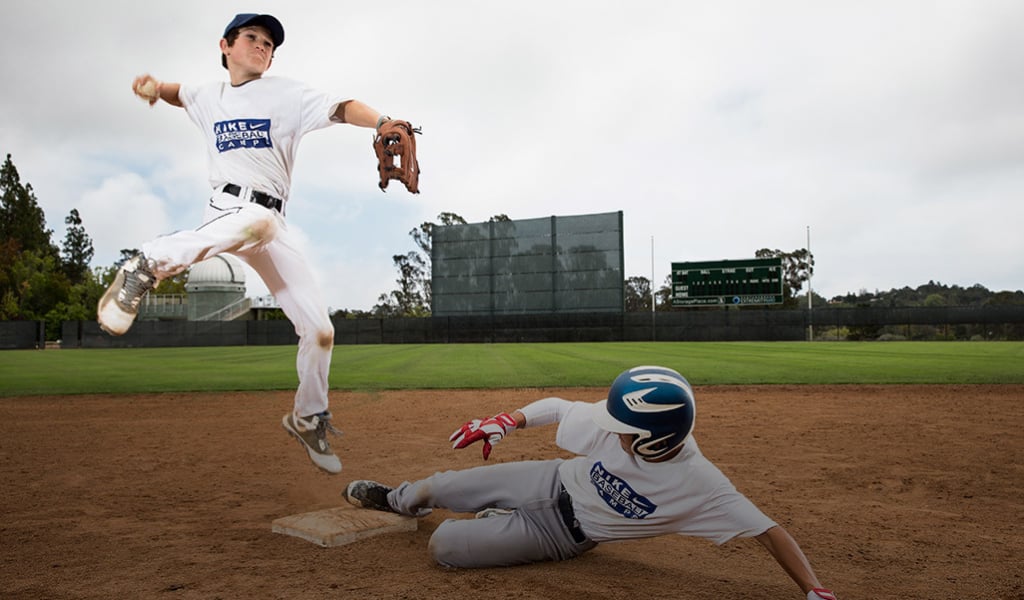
point(21, 218)
point(32, 282)
point(77, 250)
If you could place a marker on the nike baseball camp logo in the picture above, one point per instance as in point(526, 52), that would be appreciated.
point(242, 133)
point(618, 494)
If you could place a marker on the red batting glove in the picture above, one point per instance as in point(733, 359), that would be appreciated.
point(491, 431)
point(820, 594)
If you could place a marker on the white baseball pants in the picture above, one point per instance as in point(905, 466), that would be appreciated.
point(259, 237)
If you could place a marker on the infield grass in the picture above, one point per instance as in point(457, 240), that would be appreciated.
point(426, 366)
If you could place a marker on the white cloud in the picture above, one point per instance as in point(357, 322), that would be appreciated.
point(892, 129)
point(121, 213)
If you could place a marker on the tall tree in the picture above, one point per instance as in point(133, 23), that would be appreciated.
point(423, 237)
point(638, 294)
point(77, 250)
point(413, 297)
point(32, 282)
point(21, 217)
point(408, 300)
point(797, 267)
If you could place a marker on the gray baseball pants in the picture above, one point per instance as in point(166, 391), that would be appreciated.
point(537, 529)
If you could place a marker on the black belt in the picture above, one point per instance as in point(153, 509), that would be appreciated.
point(258, 197)
point(569, 516)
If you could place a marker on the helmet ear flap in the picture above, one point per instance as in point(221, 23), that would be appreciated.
point(639, 446)
point(646, 447)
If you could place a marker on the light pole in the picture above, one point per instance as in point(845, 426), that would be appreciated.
point(810, 290)
point(654, 333)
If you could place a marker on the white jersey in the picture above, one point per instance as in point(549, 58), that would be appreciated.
point(252, 131)
point(617, 496)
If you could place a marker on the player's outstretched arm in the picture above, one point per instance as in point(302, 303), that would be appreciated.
point(494, 429)
point(357, 113)
point(490, 431)
point(791, 558)
point(151, 89)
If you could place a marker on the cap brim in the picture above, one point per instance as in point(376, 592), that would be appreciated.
point(606, 421)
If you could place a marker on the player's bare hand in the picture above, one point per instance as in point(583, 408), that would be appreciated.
point(491, 430)
point(147, 88)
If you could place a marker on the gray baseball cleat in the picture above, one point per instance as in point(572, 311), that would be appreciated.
point(119, 305)
point(369, 494)
point(311, 432)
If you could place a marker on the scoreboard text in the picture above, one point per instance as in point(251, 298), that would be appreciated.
point(725, 282)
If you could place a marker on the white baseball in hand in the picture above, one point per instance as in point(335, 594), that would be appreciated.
point(147, 91)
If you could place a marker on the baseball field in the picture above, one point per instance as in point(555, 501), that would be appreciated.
point(156, 473)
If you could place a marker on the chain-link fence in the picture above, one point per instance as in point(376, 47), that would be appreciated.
point(841, 324)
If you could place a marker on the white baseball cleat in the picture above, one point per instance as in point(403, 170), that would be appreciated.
point(119, 305)
point(311, 432)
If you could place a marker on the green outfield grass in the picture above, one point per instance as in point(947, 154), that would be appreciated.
point(414, 366)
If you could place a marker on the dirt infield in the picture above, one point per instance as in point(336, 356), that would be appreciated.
point(893, 492)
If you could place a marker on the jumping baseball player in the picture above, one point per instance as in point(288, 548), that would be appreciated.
point(639, 473)
point(251, 126)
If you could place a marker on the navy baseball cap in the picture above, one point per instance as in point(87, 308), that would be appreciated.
point(272, 25)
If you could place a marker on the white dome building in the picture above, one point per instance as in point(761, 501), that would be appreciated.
point(221, 270)
point(216, 289)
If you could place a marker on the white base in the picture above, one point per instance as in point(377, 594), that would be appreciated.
point(343, 525)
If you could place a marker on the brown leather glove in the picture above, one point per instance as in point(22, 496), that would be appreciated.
point(397, 139)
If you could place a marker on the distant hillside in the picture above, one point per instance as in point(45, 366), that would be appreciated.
point(929, 294)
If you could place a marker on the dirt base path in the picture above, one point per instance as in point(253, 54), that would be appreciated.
point(893, 492)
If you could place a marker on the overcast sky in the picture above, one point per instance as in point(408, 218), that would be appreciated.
point(893, 130)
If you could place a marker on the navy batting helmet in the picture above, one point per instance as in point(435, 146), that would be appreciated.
point(654, 403)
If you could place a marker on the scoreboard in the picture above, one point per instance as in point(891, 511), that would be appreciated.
point(727, 282)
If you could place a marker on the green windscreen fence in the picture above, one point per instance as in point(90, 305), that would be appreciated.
point(566, 264)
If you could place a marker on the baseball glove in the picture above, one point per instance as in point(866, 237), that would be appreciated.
point(397, 139)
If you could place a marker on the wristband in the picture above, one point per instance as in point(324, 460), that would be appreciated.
point(381, 120)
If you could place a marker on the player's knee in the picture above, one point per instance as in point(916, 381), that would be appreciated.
point(325, 338)
point(445, 547)
point(263, 230)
